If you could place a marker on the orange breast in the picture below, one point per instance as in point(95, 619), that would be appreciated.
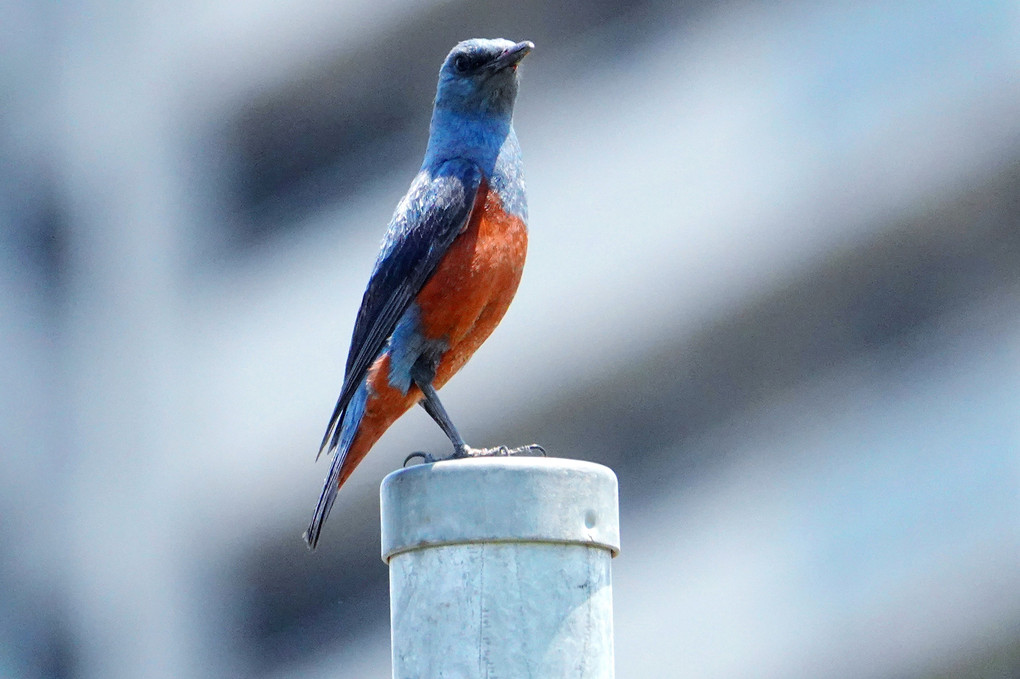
point(471, 290)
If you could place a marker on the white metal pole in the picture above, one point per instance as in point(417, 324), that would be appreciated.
point(500, 567)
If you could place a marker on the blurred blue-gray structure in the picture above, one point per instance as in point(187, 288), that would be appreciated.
point(774, 282)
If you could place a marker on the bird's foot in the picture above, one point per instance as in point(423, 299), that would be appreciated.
point(533, 450)
point(499, 451)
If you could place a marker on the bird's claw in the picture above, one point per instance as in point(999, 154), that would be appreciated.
point(531, 450)
point(426, 458)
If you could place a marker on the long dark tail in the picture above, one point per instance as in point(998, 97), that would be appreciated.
point(339, 446)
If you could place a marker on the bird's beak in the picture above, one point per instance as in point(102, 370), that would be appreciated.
point(512, 55)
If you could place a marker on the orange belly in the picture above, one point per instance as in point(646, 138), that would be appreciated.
point(462, 303)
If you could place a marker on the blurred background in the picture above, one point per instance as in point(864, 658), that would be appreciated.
point(774, 282)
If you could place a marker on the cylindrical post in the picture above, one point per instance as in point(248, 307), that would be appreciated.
point(500, 567)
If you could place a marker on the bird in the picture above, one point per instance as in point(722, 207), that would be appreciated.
point(449, 265)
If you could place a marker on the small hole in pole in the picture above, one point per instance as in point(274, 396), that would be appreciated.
point(590, 518)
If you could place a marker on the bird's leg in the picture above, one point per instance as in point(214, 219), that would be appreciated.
point(423, 372)
point(434, 407)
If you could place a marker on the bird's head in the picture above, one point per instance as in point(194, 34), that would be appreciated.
point(479, 76)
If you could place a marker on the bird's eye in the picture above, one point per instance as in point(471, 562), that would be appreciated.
point(462, 63)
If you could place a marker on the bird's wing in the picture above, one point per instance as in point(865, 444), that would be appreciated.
point(436, 208)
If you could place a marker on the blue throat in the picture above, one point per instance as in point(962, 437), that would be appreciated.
point(486, 140)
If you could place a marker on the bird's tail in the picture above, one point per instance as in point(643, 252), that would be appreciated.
point(339, 447)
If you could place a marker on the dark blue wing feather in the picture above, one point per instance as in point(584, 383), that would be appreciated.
point(428, 219)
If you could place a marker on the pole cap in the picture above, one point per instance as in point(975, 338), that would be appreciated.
point(500, 499)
